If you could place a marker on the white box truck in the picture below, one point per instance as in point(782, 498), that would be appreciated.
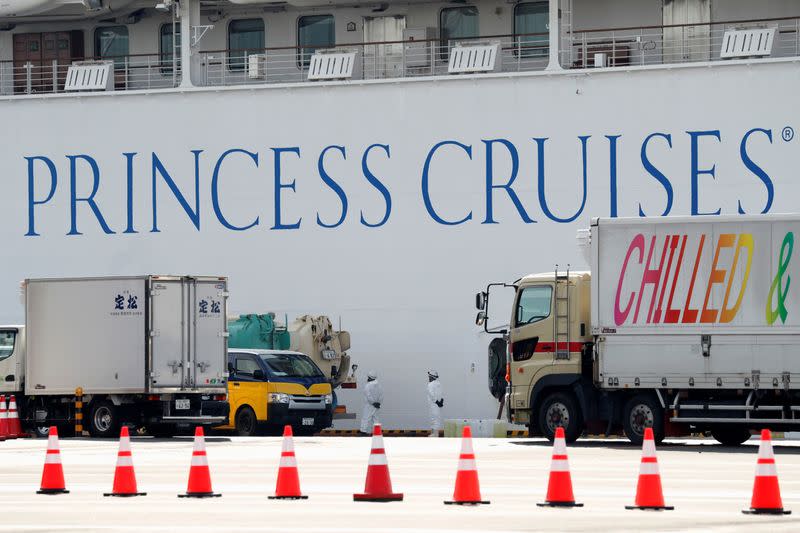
point(682, 324)
point(149, 351)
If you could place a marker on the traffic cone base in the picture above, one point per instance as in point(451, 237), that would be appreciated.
point(475, 502)
point(199, 495)
point(302, 497)
point(559, 504)
point(378, 486)
point(651, 508)
point(765, 511)
point(52, 491)
point(125, 495)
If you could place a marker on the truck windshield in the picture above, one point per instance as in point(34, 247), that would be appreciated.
point(291, 365)
point(7, 343)
point(534, 304)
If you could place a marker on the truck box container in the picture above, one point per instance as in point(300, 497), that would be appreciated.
point(123, 335)
point(701, 302)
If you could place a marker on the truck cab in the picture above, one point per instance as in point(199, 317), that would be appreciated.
point(548, 356)
point(12, 342)
point(268, 389)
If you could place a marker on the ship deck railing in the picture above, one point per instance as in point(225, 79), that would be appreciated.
point(390, 60)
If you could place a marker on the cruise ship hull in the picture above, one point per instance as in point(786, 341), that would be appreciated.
point(386, 204)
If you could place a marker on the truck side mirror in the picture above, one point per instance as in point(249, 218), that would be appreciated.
point(480, 301)
point(481, 318)
point(231, 369)
point(258, 374)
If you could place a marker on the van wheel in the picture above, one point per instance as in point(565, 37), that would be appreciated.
point(560, 409)
point(731, 436)
point(640, 412)
point(246, 422)
point(104, 420)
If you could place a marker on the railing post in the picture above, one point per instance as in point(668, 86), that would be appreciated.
point(554, 31)
point(28, 80)
point(585, 49)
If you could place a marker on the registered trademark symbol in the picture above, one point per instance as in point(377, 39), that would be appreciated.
point(787, 134)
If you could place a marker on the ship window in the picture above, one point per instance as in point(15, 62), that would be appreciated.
point(531, 22)
point(316, 31)
point(457, 23)
point(245, 37)
point(534, 304)
point(7, 344)
point(111, 42)
point(167, 46)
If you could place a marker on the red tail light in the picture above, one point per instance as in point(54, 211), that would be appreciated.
point(154, 397)
point(220, 397)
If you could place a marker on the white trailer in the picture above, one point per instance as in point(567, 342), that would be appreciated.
point(694, 326)
point(702, 311)
point(146, 350)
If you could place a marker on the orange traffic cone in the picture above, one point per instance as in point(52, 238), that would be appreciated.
point(53, 473)
point(648, 490)
point(559, 487)
point(288, 485)
point(378, 486)
point(3, 418)
point(124, 476)
point(766, 491)
point(199, 474)
point(468, 490)
point(14, 429)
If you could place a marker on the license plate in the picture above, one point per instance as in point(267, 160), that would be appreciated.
point(308, 421)
point(182, 404)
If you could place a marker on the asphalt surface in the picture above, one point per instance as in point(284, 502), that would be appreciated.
point(707, 483)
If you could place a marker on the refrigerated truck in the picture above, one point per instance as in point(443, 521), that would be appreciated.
point(148, 351)
point(682, 324)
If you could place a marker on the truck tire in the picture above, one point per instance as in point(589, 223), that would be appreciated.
point(104, 420)
point(246, 422)
point(730, 435)
point(640, 412)
point(560, 409)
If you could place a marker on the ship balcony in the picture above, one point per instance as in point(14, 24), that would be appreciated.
point(586, 49)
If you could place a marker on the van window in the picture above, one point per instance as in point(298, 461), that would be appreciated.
point(534, 304)
point(7, 339)
point(291, 366)
point(245, 365)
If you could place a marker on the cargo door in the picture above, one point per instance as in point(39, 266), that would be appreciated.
point(169, 334)
point(209, 346)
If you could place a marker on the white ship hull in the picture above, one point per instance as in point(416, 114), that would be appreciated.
point(403, 288)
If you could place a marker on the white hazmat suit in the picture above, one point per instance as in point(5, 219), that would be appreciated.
point(373, 394)
point(434, 399)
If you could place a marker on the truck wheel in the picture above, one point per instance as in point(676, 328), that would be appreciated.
point(246, 422)
point(640, 412)
point(104, 420)
point(731, 436)
point(560, 409)
point(41, 432)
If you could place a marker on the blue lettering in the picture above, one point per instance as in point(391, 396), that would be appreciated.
point(542, 198)
point(612, 170)
point(755, 169)
point(280, 185)
point(215, 189)
point(426, 197)
point(490, 186)
point(32, 201)
point(129, 160)
point(333, 185)
point(375, 182)
point(194, 214)
point(657, 174)
point(73, 199)
point(697, 172)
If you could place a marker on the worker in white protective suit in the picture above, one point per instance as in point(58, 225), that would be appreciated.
point(435, 402)
point(373, 397)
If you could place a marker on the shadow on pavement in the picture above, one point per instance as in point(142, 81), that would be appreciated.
point(693, 446)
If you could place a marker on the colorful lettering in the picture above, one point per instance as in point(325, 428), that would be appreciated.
point(636, 244)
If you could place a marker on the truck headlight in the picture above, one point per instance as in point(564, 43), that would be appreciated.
point(278, 397)
point(328, 399)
